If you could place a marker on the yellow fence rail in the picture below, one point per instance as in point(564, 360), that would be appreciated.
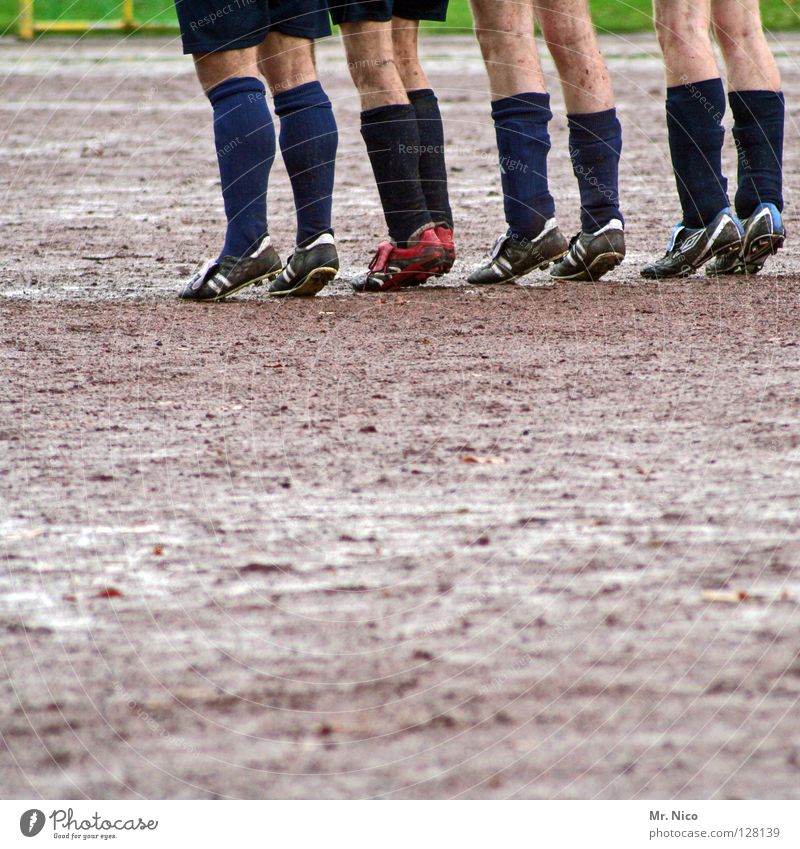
point(28, 27)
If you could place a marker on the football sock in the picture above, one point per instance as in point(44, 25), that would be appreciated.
point(308, 139)
point(432, 167)
point(523, 143)
point(391, 134)
point(595, 145)
point(694, 126)
point(758, 131)
point(245, 140)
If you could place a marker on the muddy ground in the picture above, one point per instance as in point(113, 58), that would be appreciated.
point(244, 555)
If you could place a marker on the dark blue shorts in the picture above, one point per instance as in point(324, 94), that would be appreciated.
point(352, 11)
point(208, 26)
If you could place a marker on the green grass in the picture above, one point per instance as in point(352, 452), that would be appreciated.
point(633, 15)
point(152, 11)
point(610, 15)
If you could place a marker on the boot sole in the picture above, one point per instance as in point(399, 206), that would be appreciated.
point(444, 269)
point(312, 284)
point(600, 265)
point(412, 279)
point(760, 249)
point(688, 270)
point(256, 281)
point(764, 246)
point(542, 266)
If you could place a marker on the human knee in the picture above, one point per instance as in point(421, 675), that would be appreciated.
point(681, 21)
point(370, 55)
point(369, 73)
point(489, 41)
point(566, 30)
point(737, 33)
point(504, 46)
point(286, 61)
point(215, 68)
point(678, 33)
point(572, 52)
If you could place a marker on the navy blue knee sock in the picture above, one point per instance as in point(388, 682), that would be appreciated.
point(694, 125)
point(432, 166)
point(391, 134)
point(523, 143)
point(308, 140)
point(758, 131)
point(245, 140)
point(595, 145)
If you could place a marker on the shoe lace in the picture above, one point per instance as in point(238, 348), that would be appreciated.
point(498, 245)
point(381, 258)
point(203, 272)
point(676, 239)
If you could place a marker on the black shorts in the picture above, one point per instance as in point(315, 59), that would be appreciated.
point(208, 26)
point(352, 11)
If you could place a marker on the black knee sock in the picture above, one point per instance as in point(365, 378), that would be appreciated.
point(694, 124)
point(245, 140)
point(392, 138)
point(523, 143)
point(758, 132)
point(595, 145)
point(308, 140)
point(432, 166)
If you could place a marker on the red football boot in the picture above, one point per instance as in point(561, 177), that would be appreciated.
point(393, 267)
point(445, 236)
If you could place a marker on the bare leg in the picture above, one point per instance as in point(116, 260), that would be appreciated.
point(391, 133)
point(308, 141)
point(750, 63)
point(405, 35)
point(595, 135)
point(286, 61)
point(521, 113)
point(432, 165)
point(245, 142)
point(683, 28)
point(504, 29)
point(214, 68)
point(758, 130)
point(370, 58)
point(568, 30)
point(695, 105)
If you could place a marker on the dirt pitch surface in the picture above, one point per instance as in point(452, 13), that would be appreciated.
point(245, 554)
